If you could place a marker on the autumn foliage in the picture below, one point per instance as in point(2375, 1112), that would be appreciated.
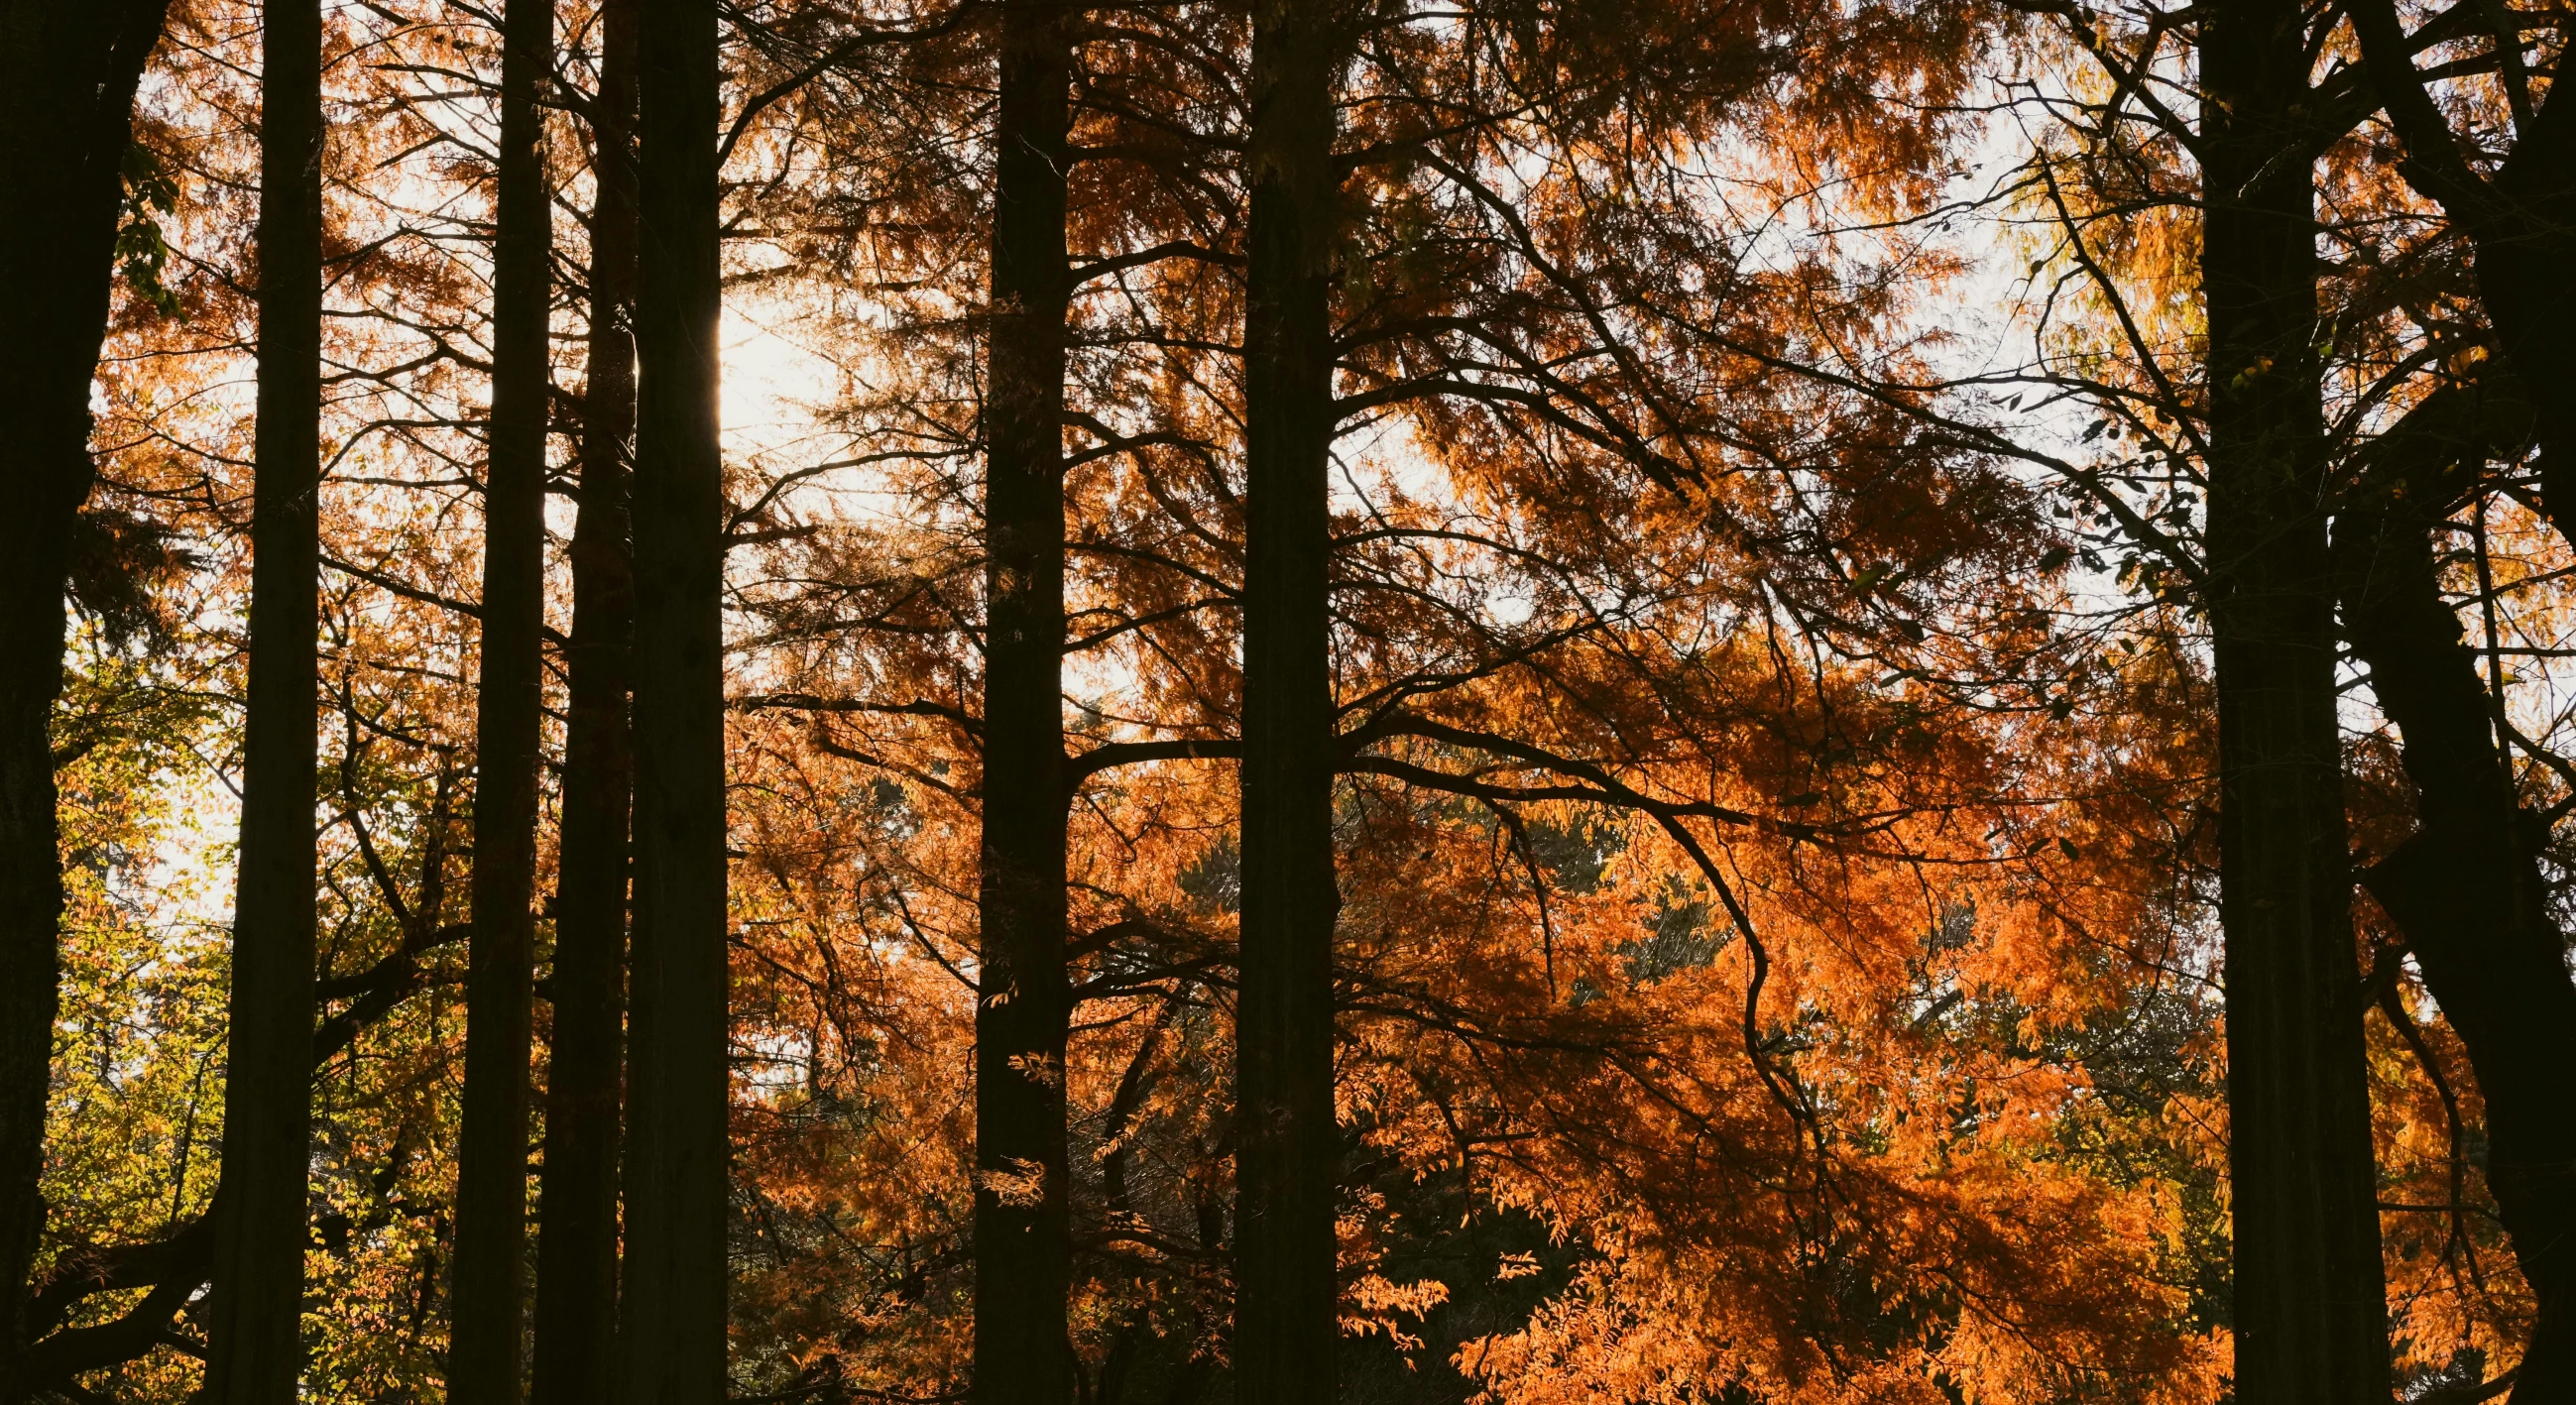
point(1783, 941)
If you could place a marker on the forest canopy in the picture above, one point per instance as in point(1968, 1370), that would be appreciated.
point(1542, 702)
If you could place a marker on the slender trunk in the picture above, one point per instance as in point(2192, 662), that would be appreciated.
point(672, 1318)
point(576, 1318)
point(2310, 1304)
point(255, 1349)
point(1288, 1148)
point(2466, 888)
point(1023, 1247)
point(488, 1274)
point(68, 74)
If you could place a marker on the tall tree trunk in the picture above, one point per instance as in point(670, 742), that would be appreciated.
point(672, 1317)
point(576, 1318)
point(2466, 888)
point(255, 1348)
point(68, 74)
point(1023, 1247)
point(488, 1274)
point(1288, 1149)
point(2310, 1303)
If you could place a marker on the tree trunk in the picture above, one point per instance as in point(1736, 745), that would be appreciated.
point(2527, 282)
point(576, 1317)
point(489, 1302)
point(255, 1348)
point(1288, 1148)
point(2522, 224)
point(68, 74)
point(1023, 1246)
point(672, 1317)
point(2309, 1299)
point(2466, 888)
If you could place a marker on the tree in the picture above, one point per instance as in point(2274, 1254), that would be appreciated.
point(576, 1310)
point(1022, 1204)
point(71, 73)
point(255, 1341)
point(1714, 864)
point(2520, 216)
point(2310, 1308)
point(2237, 428)
point(2466, 889)
point(672, 1295)
point(1288, 1144)
point(492, 1171)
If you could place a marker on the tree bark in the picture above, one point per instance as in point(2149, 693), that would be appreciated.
point(2309, 1296)
point(1023, 1246)
point(488, 1322)
point(2466, 889)
point(672, 1317)
point(68, 75)
point(1288, 1147)
point(576, 1317)
point(255, 1349)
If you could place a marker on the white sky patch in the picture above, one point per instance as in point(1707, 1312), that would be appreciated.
point(771, 381)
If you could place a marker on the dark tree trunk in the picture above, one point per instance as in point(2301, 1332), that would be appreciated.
point(1288, 1148)
point(2309, 1301)
point(2466, 888)
point(576, 1318)
point(488, 1274)
point(68, 74)
point(2522, 224)
point(1023, 1248)
point(2527, 281)
point(672, 1317)
point(255, 1350)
